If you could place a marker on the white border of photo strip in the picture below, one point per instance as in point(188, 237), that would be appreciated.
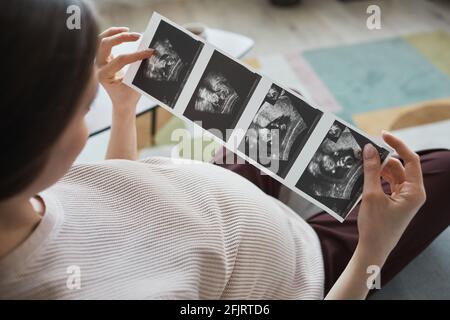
point(310, 147)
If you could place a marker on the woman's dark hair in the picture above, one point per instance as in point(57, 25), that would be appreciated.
point(46, 68)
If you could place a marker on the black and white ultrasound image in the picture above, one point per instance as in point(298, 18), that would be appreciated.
point(221, 94)
point(165, 73)
point(279, 130)
point(335, 176)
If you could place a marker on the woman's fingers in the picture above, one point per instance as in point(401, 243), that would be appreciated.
point(372, 169)
point(413, 170)
point(393, 186)
point(112, 31)
point(107, 43)
point(395, 170)
point(110, 70)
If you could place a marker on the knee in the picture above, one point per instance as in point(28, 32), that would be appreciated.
point(436, 168)
point(438, 159)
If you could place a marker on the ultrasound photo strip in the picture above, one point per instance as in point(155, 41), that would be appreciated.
point(318, 156)
point(222, 94)
point(291, 119)
point(334, 176)
point(165, 73)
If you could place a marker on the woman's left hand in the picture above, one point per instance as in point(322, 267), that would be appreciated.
point(110, 71)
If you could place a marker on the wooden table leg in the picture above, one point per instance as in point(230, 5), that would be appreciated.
point(153, 113)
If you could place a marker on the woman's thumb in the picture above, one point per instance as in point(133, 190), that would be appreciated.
point(372, 169)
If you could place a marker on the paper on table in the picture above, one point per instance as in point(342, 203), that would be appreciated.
point(307, 149)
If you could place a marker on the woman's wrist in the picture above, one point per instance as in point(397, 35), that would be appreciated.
point(355, 280)
point(124, 118)
point(371, 255)
point(123, 139)
point(124, 110)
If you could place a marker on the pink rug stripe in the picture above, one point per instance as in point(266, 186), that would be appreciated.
point(316, 89)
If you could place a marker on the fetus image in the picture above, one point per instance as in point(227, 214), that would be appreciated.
point(335, 173)
point(165, 73)
point(165, 64)
point(279, 129)
point(222, 93)
point(216, 95)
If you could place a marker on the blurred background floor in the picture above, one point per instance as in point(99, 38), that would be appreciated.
point(312, 24)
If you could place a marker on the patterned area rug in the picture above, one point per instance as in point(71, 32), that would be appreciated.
point(356, 79)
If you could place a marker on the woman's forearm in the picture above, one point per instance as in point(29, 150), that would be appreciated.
point(122, 143)
point(123, 140)
point(353, 282)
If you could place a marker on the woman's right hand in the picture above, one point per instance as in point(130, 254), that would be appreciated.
point(383, 218)
point(110, 68)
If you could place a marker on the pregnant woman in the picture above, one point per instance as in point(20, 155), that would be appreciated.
point(157, 229)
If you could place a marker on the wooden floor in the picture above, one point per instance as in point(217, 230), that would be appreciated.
point(314, 23)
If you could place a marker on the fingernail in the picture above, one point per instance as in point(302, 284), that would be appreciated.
point(369, 151)
point(149, 50)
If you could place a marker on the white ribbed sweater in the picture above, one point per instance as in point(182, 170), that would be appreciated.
point(158, 229)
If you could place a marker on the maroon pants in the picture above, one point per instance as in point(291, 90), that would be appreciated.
point(339, 240)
